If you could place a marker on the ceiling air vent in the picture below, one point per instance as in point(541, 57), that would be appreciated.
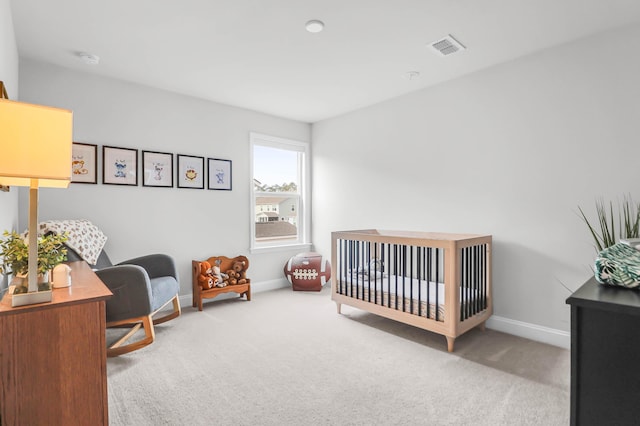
point(447, 46)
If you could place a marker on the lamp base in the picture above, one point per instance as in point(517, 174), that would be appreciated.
point(31, 298)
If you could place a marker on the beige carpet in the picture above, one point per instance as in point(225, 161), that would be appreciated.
point(287, 358)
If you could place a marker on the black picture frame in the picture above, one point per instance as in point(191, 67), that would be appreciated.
point(190, 171)
point(119, 166)
point(84, 163)
point(157, 169)
point(220, 174)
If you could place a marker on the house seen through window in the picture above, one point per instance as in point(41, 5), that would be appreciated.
point(279, 173)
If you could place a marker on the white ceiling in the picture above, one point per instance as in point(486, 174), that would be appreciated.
point(256, 54)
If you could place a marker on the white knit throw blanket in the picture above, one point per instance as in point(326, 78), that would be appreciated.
point(83, 236)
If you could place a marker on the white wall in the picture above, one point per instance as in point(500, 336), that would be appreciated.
point(9, 75)
point(509, 151)
point(8, 50)
point(185, 223)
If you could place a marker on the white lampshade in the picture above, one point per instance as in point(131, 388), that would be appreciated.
point(35, 143)
point(35, 151)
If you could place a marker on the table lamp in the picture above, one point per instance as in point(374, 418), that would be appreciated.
point(35, 151)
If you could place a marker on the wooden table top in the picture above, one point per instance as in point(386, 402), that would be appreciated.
point(85, 286)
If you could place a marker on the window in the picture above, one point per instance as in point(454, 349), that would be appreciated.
point(280, 174)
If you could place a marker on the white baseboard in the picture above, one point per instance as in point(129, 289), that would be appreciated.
point(256, 287)
point(527, 330)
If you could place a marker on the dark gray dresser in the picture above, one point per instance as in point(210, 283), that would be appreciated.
point(605, 355)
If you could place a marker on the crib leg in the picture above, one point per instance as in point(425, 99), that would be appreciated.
point(482, 326)
point(450, 341)
point(338, 307)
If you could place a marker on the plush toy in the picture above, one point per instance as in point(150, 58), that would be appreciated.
point(221, 279)
point(206, 282)
point(205, 279)
point(232, 277)
point(205, 268)
point(240, 271)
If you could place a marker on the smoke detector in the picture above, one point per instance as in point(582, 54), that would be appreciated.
point(412, 75)
point(88, 58)
point(447, 46)
point(314, 26)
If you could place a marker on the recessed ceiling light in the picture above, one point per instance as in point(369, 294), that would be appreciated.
point(314, 26)
point(88, 58)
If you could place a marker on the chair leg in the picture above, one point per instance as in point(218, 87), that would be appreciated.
point(174, 313)
point(145, 322)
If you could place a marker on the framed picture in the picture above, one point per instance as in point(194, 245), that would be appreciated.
point(157, 169)
point(84, 163)
point(190, 171)
point(119, 166)
point(219, 172)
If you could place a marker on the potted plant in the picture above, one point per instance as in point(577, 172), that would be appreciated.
point(15, 253)
point(628, 223)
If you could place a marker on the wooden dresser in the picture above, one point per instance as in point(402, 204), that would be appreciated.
point(53, 356)
point(605, 343)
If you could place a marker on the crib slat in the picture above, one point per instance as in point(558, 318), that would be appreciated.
point(477, 280)
point(463, 294)
point(437, 286)
point(463, 259)
point(363, 263)
point(420, 278)
point(473, 295)
point(470, 294)
point(483, 274)
point(472, 290)
point(358, 244)
point(429, 251)
point(352, 263)
point(375, 274)
point(343, 256)
point(411, 279)
point(469, 282)
point(403, 263)
point(395, 273)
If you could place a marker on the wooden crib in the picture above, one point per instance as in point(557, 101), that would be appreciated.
point(436, 281)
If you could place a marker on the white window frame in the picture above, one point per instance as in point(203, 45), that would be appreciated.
point(304, 212)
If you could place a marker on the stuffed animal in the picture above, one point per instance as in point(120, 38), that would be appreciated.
point(240, 271)
point(232, 277)
point(221, 279)
point(206, 282)
point(205, 268)
point(205, 279)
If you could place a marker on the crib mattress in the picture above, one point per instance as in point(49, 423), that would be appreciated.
point(410, 294)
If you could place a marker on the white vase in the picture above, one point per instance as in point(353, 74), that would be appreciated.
point(43, 278)
point(23, 280)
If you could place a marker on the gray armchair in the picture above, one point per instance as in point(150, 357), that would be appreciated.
point(141, 287)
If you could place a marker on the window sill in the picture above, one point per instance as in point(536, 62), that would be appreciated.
point(287, 247)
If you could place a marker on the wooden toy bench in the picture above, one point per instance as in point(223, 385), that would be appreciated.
point(225, 264)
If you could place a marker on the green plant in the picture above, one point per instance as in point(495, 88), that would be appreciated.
point(15, 253)
point(628, 219)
